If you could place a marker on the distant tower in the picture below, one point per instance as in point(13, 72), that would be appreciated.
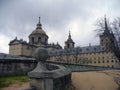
point(38, 36)
point(69, 44)
point(107, 39)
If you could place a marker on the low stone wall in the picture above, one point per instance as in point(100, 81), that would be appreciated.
point(81, 68)
point(22, 67)
point(16, 66)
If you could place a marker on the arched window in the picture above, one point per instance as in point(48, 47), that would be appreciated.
point(45, 39)
point(103, 61)
point(32, 39)
point(68, 45)
point(112, 61)
point(39, 39)
point(98, 61)
point(102, 57)
point(94, 61)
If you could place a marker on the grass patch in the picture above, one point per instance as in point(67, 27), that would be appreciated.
point(9, 80)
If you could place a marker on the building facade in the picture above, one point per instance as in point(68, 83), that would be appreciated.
point(105, 54)
point(38, 38)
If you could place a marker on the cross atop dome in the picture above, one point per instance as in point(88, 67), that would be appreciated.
point(39, 25)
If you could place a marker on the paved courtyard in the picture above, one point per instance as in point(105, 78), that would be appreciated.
point(94, 80)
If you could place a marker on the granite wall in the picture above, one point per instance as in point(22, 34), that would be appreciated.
point(16, 66)
point(22, 67)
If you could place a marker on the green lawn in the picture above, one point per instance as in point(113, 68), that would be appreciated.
point(9, 80)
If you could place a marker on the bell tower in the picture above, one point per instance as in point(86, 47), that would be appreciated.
point(69, 44)
point(107, 39)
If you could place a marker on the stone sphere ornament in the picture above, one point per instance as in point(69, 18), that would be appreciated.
point(44, 75)
point(40, 54)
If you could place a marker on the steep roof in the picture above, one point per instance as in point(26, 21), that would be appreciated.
point(69, 40)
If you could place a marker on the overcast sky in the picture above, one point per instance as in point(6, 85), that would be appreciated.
point(19, 18)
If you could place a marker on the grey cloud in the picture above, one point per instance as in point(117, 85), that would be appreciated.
point(54, 13)
point(19, 17)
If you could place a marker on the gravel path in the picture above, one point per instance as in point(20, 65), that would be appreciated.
point(100, 80)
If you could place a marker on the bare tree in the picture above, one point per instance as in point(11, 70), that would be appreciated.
point(113, 27)
point(100, 25)
point(116, 29)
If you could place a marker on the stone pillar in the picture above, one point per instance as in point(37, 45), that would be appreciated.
point(47, 76)
point(36, 81)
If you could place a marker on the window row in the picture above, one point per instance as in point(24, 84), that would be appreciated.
point(104, 61)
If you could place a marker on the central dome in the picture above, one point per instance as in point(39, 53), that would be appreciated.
point(38, 31)
point(38, 36)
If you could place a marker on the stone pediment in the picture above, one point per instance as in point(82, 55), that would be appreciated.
point(15, 42)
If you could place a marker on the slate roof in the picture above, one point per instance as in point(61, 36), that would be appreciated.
point(90, 49)
point(87, 49)
point(9, 56)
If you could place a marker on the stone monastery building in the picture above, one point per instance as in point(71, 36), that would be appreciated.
point(105, 54)
point(38, 38)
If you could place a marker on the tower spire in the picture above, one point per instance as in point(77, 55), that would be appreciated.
point(69, 34)
point(39, 25)
point(106, 26)
point(69, 44)
point(39, 20)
